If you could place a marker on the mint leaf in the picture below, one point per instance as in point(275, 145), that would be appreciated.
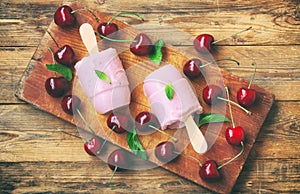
point(135, 145)
point(212, 118)
point(169, 91)
point(103, 76)
point(156, 52)
point(62, 69)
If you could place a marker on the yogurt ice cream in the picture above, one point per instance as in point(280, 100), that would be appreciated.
point(171, 113)
point(103, 95)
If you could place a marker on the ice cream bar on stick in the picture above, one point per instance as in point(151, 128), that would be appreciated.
point(178, 111)
point(102, 75)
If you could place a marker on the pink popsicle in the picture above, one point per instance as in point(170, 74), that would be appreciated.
point(178, 111)
point(104, 96)
point(171, 113)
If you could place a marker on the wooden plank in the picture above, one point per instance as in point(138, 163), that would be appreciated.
point(221, 18)
point(13, 62)
point(266, 175)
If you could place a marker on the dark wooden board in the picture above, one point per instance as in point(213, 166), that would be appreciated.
point(31, 89)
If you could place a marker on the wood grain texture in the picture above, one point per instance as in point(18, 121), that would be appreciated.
point(31, 89)
point(273, 164)
point(272, 20)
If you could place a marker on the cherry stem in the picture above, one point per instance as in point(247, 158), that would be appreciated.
point(232, 102)
point(106, 138)
point(115, 40)
point(52, 58)
point(113, 174)
point(235, 157)
point(189, 156)
point(85, 122)
point(124, 13)
point(52, 54)
point(226, 59)
point(85, 140)
point(252, 78)
point(51, 37)
point(229, 105)
point(231, 35)
point(167, 134)
point(74, 11)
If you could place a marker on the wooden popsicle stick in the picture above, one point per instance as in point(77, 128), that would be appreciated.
point(89, 38)
point(196, 137)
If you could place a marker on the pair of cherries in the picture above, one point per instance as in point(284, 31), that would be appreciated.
point(141, 45)
point(70, 104)
point(59, 86)
point(209, 171)
point(118, 123)
point(246, 97)
point(93, 146)
point(166, 152)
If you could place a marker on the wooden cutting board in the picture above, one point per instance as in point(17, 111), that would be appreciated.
point(31, 89)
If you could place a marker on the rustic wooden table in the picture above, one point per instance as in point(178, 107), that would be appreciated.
point(36, 157)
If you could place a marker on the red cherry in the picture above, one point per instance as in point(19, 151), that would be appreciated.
point(118, 123)
point(142, 45)
point(234, 136)
point(57, 86)
point(65, 55)
point(70, 103)
point(203, 42)
point(106, 29)
point(92, 146)
point(191, 68)
point(144, 120)
point(211, 93)
point(209, 171)
point(117, 159)
point(165, 151)
point(63, 17)
point(246, 97)
point(147, 122)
